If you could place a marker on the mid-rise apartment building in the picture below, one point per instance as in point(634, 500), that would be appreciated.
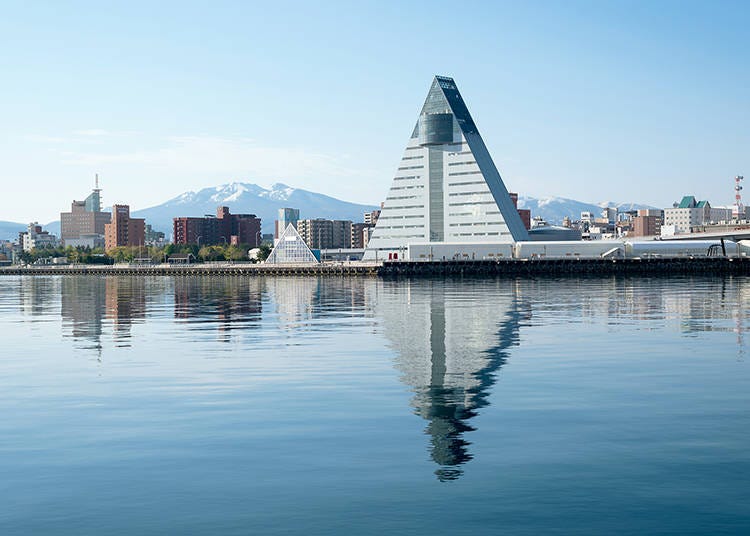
point(36, 238)
point(325, 234)
point(123, 230)
point(225, 228)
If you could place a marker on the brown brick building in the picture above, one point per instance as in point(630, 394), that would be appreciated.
point(123, 230)
point(225, 228)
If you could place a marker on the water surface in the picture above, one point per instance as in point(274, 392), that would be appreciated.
point(228, 405)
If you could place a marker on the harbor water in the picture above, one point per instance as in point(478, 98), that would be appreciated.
point(357, 405)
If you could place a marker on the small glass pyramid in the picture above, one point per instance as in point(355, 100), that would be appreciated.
point(291, 249)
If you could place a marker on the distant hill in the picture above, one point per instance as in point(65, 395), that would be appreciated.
point(9, 230)
point(243, 197)
point(554, 209)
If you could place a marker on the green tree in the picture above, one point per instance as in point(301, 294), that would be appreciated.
point(265, 251)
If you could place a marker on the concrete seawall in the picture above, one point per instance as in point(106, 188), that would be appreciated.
point(508, 267)
point(571, 267)
point(209, 269)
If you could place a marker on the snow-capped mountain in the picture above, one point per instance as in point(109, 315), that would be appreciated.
point(554, 209)
point(244, 198)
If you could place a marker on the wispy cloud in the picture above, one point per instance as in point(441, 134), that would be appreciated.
point(220, 156)
point(92, 132)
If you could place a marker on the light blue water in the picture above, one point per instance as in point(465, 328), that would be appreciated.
point(359, 406)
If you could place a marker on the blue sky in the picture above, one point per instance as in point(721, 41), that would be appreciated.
point(625, 101)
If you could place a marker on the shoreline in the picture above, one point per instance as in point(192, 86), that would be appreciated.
point(506, 267)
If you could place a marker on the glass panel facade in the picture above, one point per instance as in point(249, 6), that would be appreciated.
point(291, 249)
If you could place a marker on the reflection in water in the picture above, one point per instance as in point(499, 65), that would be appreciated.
point(449, 348)
point(229, 303)
point(83, 302)
point(450, 337)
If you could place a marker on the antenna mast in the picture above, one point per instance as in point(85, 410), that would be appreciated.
point(738, 211)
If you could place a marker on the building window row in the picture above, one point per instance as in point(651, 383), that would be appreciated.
point(411, 187)
point(393, 198)
point(467, 163)
point(413, 157)
point(471, 203)
point(457, 194)
point(409, 177)
point(464, 173)
point(402, 227)
point(410, 216)
point(466, 183)
point(410, 167)
point(405, 207)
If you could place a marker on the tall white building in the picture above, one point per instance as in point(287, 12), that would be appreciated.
point(446, 189)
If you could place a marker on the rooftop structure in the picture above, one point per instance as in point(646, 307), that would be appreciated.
point(446, 188)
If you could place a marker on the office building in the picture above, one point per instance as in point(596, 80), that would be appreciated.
point(84, 219)
point(446, 188)
point(123, 230)
point(286, 216)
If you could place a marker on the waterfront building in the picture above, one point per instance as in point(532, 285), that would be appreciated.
point(286, 216)
point(446, 188)
point(123, 230)
point(224, 228)
point(291, 249)
point(85, 218)
point(36, 238)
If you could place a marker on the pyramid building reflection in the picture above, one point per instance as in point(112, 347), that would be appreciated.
point(449, 348)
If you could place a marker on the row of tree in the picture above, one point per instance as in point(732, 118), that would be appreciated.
point(87, 255)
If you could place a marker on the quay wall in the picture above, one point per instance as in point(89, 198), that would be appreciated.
point(571, 267)
point(214, 269)
point(498, 267)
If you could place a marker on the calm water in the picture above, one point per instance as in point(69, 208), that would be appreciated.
point(359, 406)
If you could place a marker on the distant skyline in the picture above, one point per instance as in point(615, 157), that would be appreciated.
point(620, 101)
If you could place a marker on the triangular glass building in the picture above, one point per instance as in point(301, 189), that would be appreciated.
point(446, 189)
point(291, 249)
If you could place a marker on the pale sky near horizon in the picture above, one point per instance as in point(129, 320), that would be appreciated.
point(600, 100)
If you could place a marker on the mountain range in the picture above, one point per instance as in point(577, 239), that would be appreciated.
point(242, 197)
